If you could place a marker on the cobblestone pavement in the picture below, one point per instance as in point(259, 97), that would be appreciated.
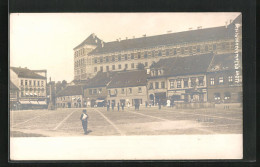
point(146, 121)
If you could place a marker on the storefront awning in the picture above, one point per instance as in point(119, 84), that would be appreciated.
point(25, 102)
point(99, 101)
point(42, 102)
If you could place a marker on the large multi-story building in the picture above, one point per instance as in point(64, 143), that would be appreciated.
point(31, 84)
point(94, 55)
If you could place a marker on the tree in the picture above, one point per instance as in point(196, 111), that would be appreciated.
point(140, 66)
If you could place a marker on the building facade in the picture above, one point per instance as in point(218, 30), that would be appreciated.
point(128, 88)
point(31, 84)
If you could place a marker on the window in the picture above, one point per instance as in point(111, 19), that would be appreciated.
point(95, 69)
point(42, 83)
point(132, 65)
point(113, 58)
point(146, 64)
point(171, 84)
point(99, 90)
point(139, 55)
point(162, 85)
point(95, 60)
point(212, 81)
point(101, 59)
point(119, 58)
point(126, 66)
point(90, 91)
point(178, 83)
point(156, 85)
point(94, 91)
point(198, 48)
point(139, 90)
point(107, 68)
point(151, 86)
point(122, 91)
point(119, 66)
point(107, 59)
point(132, 56)
point(113, 67)
point(193, 82)
point(101, 68)
point(160, 53)
point(21, 82)
point(185, 83)
point(145, 55)
point(206, 48)
point(217, 96)
point(38, 83)
point(25, 82)
point(220, 80)
point(167, 52)
point(227, 95)
point(230, 79)
point(22, 94)
point(34, 83)
point(125, 56)
point(201, 82)
point(130, 90)
point(109, 92)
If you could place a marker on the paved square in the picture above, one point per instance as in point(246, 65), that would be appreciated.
point(146, 121)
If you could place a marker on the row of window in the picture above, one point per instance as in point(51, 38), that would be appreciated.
point(124, 91)
point(187, 82)
point(31, 83)
point(119, 67)
point(220, 80)
point(33, 89)
point(26, 94)
point(79, 63)
point(79, 52)
point(166, 52)
point(156, 85)
point(95, 91)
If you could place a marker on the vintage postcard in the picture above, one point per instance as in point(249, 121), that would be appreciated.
point(126, 86)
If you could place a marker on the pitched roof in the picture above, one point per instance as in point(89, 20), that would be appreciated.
point(100, 80)
point(70, 91)
point(26, 73)
point(165, 39)
point(13, 86)
point(184, 65)
point(128, 79)
point(224, 62)
point(90, 40)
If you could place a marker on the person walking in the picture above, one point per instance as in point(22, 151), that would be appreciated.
point(84, 120)
point(108, 106)
point(122, 105)
point(113, 105)
point(118, 106)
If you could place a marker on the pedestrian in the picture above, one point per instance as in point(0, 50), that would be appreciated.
point(138, 106)
point(159, 104)
point(146, 104)
point(123, 105)
point(113, 105)
point(84, 120)
point(128, 104)
point(118, 106)
point(108, 106)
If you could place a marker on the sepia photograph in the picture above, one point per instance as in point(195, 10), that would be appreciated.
point(125, 86)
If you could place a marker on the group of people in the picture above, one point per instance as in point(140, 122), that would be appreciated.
point(122, 105)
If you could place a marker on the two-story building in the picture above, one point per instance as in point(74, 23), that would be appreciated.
point(70, 97)
point(179, 78)
point(95, 89)
point(128, 88)
point(224, 85)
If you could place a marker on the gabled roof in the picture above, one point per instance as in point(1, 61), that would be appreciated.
point(184, 65)
point(224, 62)
point(13, 86)
point(100, 80)
point(90, 40)
point(26, 73)
point(70, 91)
point(165, 39)
point(128, 79)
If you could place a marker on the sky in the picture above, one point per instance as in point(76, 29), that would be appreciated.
point(46, 40)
